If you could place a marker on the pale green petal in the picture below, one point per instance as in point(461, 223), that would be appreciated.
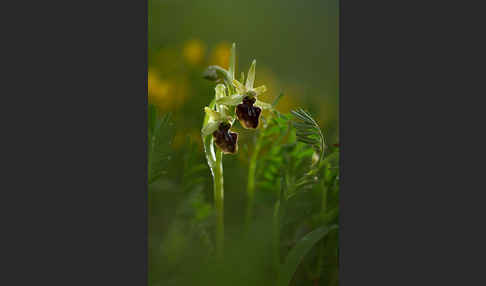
point(220, 91)
point(242, 78)
point(209, 128)
point(232, 65)
point(259, 90)
point(240, 88)
point(213, 114)
point(223, 110)
point(263, 105)
point(234, 99)
point(251, 76)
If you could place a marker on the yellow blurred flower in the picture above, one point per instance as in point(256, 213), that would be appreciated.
point(194, 51)
point(166, 94)
point(157, 88)
point(221, 54)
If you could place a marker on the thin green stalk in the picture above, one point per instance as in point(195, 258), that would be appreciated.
point(250, 190)
point(215, 162)
point(219, 202)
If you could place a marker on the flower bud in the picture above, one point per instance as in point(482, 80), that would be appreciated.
point(216, 73)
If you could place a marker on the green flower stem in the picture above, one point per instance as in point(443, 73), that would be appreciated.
point(215, 163)
point(219, 201)
point(250, 190)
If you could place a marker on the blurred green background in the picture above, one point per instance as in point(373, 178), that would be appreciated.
point(295, 44)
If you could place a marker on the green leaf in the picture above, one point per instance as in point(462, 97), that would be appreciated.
point(307, 127)
point(303, 132)
point(307, 140)
point(300, 116)
point(303, 126)
point(297, 253)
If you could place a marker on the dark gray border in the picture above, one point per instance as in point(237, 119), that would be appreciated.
point(75, 163)
point(74, 175)
point(409, 122)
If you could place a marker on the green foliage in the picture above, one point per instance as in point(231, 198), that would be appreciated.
point(296, 209)
point(179, 209)
point(309, 132)
point(292, 168)
point(284, 156)
point(298, 252)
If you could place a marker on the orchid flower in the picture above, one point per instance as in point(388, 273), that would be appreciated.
point(248, 107)
point(219, 124)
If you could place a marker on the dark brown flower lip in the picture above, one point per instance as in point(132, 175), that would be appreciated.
point(247, 113)
point(227, 141)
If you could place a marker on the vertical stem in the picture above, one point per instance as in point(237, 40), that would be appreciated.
point(215, 158)
point(219, 202)
point(215, 163)
point(250, 190)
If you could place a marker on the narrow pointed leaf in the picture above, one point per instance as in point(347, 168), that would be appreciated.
point(259, 90)
point(251, 75)
point(303, 125)
point(263, 105)
point(234, 99)
point(299, 115)
point(232, 67)
point(240, 88)
point(303, 132)
point(307, 140)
